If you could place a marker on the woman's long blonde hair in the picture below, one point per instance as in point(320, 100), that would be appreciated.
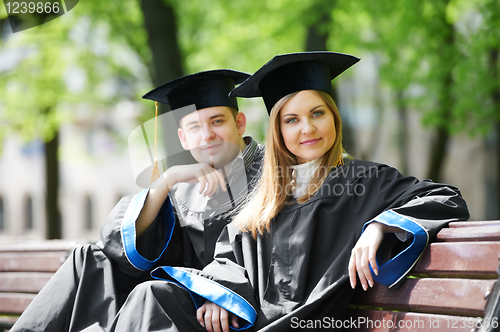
point(271, 191)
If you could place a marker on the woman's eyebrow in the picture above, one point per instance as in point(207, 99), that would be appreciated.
point(312, 110)
point(316, 107)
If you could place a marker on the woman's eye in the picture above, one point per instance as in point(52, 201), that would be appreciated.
point(291, 120)
point(317, 113)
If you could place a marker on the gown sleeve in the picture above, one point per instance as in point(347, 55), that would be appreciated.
point(118, 235)
point(224, 281)
point(421, 209)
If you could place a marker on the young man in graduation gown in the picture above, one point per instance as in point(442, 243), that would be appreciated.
point(88, 290)
point(298, 270)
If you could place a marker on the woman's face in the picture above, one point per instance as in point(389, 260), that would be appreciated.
point(307, 126)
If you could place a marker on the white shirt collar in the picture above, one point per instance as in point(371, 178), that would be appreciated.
point(303, 174)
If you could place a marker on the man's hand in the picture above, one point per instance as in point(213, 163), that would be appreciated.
point(215, 318)
point(208, 177)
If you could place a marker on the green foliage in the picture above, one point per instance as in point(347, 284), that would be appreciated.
point(436, 52)
point(70, 65)
point(239, 35)
point(419, 42)
point(475, 110)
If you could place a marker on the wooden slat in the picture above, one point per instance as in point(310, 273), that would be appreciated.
point(32, 261)
point(466, 297)
point(473, 223)
point(14, 303)
point(48, 245)
point(479, 233)
point(388, 321)
point(23, 282)
point(460, 259)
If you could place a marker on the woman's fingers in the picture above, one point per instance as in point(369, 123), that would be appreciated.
point(365, 266)
point(352, 269)
point(373, 260)
point(360, 263)
point(359, 269)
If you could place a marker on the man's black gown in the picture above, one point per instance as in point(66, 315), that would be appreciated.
point(86, 293)
point(299, 268)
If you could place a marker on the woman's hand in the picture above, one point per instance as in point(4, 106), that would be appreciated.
point(363, 255)
point(215, 318)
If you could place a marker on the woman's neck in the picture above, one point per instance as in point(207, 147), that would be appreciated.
point(303, 174)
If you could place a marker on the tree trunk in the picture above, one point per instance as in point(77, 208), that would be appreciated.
point(161, 26)
point(318, 32)
point(439, 147)
point(317, 36)
point(438, 152)
point(53, 221)
point(495, 96)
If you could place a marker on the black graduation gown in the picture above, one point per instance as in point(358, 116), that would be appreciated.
point(298, 270)
point(87, 292)
point(187, 226)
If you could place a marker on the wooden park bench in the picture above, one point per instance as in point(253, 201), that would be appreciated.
point(453, 287)
point(453, 284)
point(24, 269)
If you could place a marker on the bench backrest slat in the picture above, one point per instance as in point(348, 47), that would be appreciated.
point(32, 261)
point(445, 296)
point(460, 260)
point(465, 234)
point(15, 303)
point(23, 282)
point(474, 223)
point(26, 267)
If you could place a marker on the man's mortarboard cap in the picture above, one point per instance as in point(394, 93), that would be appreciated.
point(288, 73)
point(204, 89)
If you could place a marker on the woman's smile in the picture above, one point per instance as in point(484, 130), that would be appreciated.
point(307, 126)
point(311, 141)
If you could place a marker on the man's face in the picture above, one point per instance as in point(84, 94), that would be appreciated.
point(213, 135)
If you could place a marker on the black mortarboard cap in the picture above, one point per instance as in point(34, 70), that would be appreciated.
point(294, 72)
point(204, 89)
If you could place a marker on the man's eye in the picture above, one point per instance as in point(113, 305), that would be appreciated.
point(196, 127)
point(217, 121)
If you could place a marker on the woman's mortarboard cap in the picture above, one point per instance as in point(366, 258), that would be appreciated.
point(204, 89)
point(288, 73)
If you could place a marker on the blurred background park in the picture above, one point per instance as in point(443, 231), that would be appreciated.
point(424, 98)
